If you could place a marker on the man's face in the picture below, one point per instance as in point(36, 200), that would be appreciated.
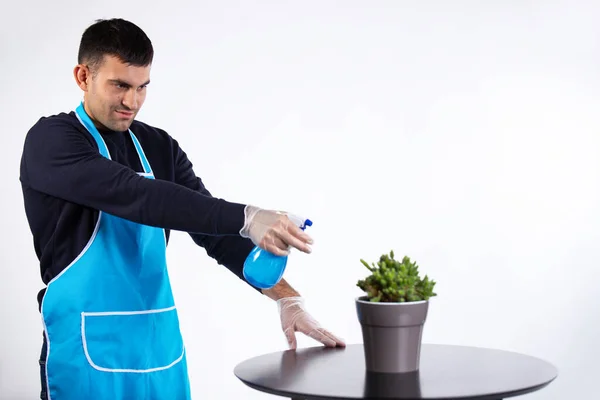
point(116, 93)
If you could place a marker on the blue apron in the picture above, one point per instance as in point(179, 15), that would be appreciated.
point(110, 319)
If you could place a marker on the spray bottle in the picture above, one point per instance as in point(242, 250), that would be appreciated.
point(264, 269)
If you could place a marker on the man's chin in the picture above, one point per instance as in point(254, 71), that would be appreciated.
point(121, 126)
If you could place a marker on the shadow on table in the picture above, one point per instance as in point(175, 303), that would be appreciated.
point(382, 385)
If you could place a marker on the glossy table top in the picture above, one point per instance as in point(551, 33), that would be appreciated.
point(446, 372)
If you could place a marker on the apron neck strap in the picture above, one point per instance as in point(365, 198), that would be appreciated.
point(86, 121)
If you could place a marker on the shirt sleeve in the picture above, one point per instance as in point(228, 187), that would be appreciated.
point(228, 251)
point(62, 162)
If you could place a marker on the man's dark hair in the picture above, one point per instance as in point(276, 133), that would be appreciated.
point(115, 37)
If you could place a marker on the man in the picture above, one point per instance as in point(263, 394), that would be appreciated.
point(102, 192)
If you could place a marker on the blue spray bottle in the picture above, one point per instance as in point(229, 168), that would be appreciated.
point(263, 269)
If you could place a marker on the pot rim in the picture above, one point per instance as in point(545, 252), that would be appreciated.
point(387, 303)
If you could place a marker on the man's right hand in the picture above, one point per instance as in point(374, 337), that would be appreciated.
point(274, 231)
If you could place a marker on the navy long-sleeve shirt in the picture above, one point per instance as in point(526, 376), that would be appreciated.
point(66, 181)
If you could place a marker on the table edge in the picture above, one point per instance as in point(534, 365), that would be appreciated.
point(490, 396)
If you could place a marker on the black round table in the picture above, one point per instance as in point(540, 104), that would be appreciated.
point(446, 372)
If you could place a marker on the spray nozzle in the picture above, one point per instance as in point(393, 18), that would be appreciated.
point(299, 221)
point(307, 222)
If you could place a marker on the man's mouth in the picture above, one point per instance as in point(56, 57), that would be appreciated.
point(127, 114)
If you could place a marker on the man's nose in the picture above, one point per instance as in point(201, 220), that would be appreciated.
point(130, 100)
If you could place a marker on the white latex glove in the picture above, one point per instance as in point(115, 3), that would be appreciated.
point(294, 318)
point(274, 231)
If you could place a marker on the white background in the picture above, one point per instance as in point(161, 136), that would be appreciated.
point(463, 134)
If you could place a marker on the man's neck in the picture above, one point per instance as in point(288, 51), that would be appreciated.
point(97, 124)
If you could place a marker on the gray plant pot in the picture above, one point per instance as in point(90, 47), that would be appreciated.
point(392, 334)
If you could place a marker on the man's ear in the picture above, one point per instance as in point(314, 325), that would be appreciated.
point(83, 76)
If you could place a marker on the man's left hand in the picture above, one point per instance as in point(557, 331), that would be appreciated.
point(294, 318)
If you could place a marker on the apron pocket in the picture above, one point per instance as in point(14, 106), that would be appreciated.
point(136, 341)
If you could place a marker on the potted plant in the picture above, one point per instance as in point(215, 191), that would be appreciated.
point(392, 314)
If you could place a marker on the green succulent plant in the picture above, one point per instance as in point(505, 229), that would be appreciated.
point(395, 281)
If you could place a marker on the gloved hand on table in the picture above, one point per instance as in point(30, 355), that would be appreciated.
point(294, 318)
point(273, 231)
